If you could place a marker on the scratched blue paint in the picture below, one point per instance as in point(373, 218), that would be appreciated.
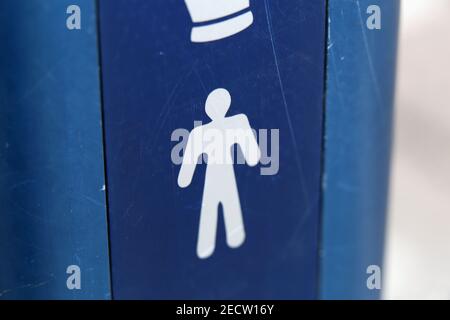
point(360, 90)
point(155, 81)
point(52, 207)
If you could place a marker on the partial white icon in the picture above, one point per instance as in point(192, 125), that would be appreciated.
point(210, 11)
point(220, 181)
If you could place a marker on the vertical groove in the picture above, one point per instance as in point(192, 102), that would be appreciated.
point(323, 149)
point(100, 73)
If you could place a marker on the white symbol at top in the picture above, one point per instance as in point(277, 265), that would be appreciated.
point(218, 18)
point(216, 140)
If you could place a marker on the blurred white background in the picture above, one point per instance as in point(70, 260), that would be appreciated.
point(418, 248)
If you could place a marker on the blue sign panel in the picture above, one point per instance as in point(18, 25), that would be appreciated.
point(191, 215)
point(53, 231)
point(360, 83)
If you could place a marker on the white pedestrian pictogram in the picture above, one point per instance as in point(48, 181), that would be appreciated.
point(216, 139)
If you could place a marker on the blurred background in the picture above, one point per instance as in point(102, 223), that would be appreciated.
point(417, 262)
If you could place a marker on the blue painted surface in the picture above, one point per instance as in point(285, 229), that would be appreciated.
point(360, 86)
point(155, 81)
point(52, 208)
